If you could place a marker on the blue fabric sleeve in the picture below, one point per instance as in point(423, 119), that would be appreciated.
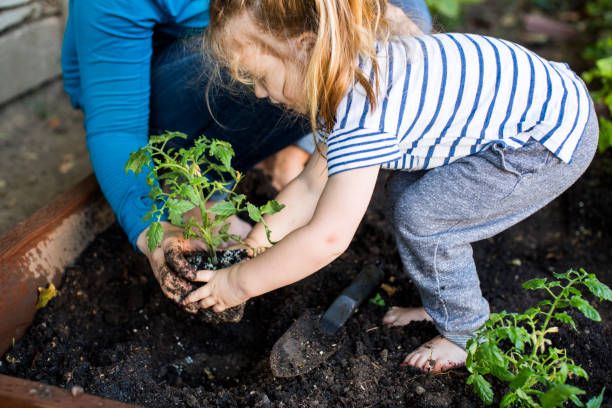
point(106, 63)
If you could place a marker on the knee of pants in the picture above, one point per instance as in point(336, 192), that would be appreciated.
point(412, 217)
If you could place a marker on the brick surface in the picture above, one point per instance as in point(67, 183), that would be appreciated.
point(31, 56)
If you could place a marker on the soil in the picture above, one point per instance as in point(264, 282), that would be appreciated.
point(113, 332)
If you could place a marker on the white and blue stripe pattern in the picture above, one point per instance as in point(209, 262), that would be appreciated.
point(447, 96)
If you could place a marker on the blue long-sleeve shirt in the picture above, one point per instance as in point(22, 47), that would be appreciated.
point(106, 61)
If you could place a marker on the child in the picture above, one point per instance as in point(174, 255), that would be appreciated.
point(480, 132)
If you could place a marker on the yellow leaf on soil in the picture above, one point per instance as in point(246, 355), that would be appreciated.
point(45, 295)
point(389, 290)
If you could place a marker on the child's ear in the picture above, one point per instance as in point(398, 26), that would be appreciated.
point(304, 44)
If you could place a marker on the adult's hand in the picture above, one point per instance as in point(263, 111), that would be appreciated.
point(399, 23)
point(169, 265)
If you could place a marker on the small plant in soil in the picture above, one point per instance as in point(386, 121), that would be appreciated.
point(516, 348)
point(191, 178)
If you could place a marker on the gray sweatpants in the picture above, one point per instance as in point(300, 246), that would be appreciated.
point(436, 214)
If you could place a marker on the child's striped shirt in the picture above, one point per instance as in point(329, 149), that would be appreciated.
point(447, 96)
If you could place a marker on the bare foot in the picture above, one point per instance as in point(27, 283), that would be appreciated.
point(401, 316)
point(436, 356)
point(284, 166)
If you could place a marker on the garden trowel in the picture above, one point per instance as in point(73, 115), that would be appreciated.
point(313, 338)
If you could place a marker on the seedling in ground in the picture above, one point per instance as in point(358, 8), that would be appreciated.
point(516, 348)
point(191, 178)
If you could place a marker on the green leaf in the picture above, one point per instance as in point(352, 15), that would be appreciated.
point(254, 213)
point(156, 193)
point(578, 371)
point(180, 206)
point(190, 194)
point(576, 401)
point(482, 388)
point(491, 355)
point(605, 134)
point(585, 307)
point(565, 318)
point(138, 159)
point(521, 378)
point(448, 8)
point(175, 218)
point(596, 402)
point(45, 295)
point(518, 336)
point(508, 400)
point(224, 229)
point(238, 199)
point(561, 374)
point(271, 207)
point(532, 311)
point(502, 373)
point(223, 208)
point(604, 65)
point(378, 300)
point(599, 289)
point(544, 302)
point(538, 283)
point(155, 235)
point(223, 152)
point(558, 275)
point(523, 395)
point(558, 394)
point(160, 139)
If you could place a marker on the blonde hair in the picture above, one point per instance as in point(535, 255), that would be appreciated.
point(346, 30)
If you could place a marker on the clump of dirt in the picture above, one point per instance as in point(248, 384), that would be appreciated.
point(199, 261)
point(113, 332)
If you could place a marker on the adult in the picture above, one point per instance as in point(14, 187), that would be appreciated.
point(132, 68)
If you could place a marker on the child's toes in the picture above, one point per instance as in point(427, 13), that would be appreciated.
point(417, 359)
point(401, 316)
point(437, 355)
point(410, 359)
point(391, 316)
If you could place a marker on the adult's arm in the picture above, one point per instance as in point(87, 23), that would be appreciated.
point(107, 64)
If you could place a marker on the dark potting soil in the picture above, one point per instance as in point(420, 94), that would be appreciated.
point(113, 332)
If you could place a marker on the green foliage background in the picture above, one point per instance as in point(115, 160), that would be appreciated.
point(598, 16)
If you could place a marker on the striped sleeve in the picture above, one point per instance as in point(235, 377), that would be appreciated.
point(358, 148)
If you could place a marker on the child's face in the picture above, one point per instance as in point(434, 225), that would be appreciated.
point(275, 66)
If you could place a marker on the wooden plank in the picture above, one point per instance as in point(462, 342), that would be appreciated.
point(36, 252)
point(18, 393)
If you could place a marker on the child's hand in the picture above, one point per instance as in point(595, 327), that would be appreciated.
point(221, 292)
point(251, 247)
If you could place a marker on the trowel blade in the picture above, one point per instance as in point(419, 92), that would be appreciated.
point(302, 348)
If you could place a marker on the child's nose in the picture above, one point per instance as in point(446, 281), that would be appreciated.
point(260, 91)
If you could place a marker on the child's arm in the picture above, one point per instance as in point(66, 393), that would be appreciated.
point(300, 197)
point(302, 252)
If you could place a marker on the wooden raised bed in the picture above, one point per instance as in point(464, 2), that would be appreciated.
point(34, 253)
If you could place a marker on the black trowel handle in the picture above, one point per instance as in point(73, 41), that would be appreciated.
point(364, 283)
point(349, 300)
